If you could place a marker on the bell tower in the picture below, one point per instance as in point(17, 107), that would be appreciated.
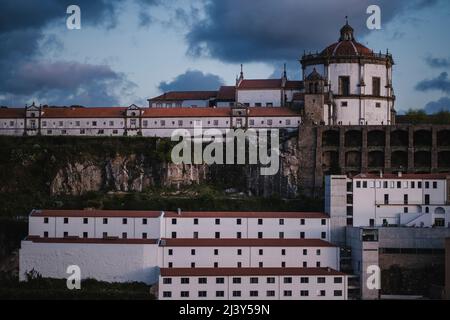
point(315, 88)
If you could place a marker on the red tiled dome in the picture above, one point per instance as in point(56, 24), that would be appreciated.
point(347, 45)
point(347, 48)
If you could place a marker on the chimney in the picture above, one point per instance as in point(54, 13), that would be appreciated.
point(400, 174)
point(179, 211)
point(381, 174)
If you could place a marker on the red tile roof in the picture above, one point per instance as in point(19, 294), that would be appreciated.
point(347, 48)
point(409, 176)
point(272, 112)
point(95, 213)
point(246, 214)
point(189, 242)
point(80, 112)
point(255, 84)
point(185, 95)
point(212, 272)
point(186, 112)
point(91, 240)
point(12, 113)
point(227, 93)
point(294, 85)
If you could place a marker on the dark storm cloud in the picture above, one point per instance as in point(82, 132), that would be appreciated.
point(267, 30)
point(437, 62)
point(439, 105)
point(440, 83)
point(192, 80)
point(24, 75)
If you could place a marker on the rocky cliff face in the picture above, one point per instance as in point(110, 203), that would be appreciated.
point(135, 171)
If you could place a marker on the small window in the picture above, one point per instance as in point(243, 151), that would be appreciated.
point(260, 221)
point(174, 235)
point(239, 221)
point(105, 235)
point(124, 221)
point(195, 221)
point(287, 293)
point(65, 234)
point(174, 221)
point(66, 220)
point(85, 235)
point(144, 221)
point(216, 252)
point(338, 293)
point(202, 280)
point(337, 279)
point(302, 222)
point(253, 293)
point(192, 252)
point(305, 252)
point(170, 252)
point(184, 280)
point(271, 280)
point(321, 280)
point(220, 294)
point(270, 293)
point(105, 220)
point(236, 280)
point(45, 220)
point(344, 104)
point(302, 235)
point(324, 222)
point(260, 235)
point(304, 293)
point(217, 221)
point(144, 235)
point(261, 252)
point(281, 235)
point(434, 185)
point(304, 280)
point(85, 220)
point(124, 235)
point(167, 294)
point(323, 235)
point(184, 294)
point(253, 280)
point(217, 235)
point(287, 280)
point(283, 252)
point(281, 222)
point(220, 280)
point(236, 293)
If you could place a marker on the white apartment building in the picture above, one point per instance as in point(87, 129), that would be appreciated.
point(252, 283)
point(252, 225)
point(248, 253)
point(132, 121)
point(121, 246)
point(413, 200)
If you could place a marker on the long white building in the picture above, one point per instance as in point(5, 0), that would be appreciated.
point(147, 246)
point(133, 121)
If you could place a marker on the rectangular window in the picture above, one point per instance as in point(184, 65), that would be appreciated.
point(253, 293)
point(124, 221)
point(337, 279)
point(304, 280)
point(260, 235)
point(236, 293)
point(144, 235)
point(321, 280)
point(195, 221)
point(184, 294)
point(281, 235)
point(124, 235)
point(202, 280)
point(253, 280)
point(85, 235)
point(386, 199)
point(302, 222)
point(271, 280)
point(216, 252)
point(236, 280)
point(287, 293)
point(192, 252)
point(376, 86)
point(377, 105)
point(405, 199)
point(144, 221)
point(174, 235)
point(258, 104)
point(195, 235)
point(287, 280)
point(220, 294)
point(427, 185)
point(270, 293)
point(344, 104)
point(170, 252)
point(427, 199)
point(85, 220)
point(269, 122)
point(202, 294)
point(302, 235)
point(45, 220)
point(105, 235)
point(167, 294)
point(434, 185)
point(105, 220)
point(174, 221)
point(66, 220)
point(217, 221)
point(217, 235)
point(184, 280)
point(239, 221)
point(260, 221)
point(94, 123)
point(281, 222)
point(338, 293)
point(324, 222)
point(45, 234)
point(344, 85)
point(304, 293)
point(167, 280)
point(323, 235)
point(220, 280)
point(288, 122)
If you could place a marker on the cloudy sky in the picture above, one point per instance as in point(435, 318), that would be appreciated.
point(130, 50)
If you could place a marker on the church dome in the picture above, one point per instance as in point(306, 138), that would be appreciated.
point(347, 45)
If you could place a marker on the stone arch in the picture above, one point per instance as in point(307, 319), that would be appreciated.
point(330, 159)
point(422, 159)
point(439, 210)
point(376, 159)
point(399, 159)
point(443, 138)
point(444, 159)
point(376, 138)
point(330, 138)
point(353, 138)
point(399, 138)
point(353, 159)
point(422, 138)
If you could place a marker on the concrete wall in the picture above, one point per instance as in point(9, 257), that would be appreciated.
point(105, 262)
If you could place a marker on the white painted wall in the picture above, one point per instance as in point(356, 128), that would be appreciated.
point(105, 262)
